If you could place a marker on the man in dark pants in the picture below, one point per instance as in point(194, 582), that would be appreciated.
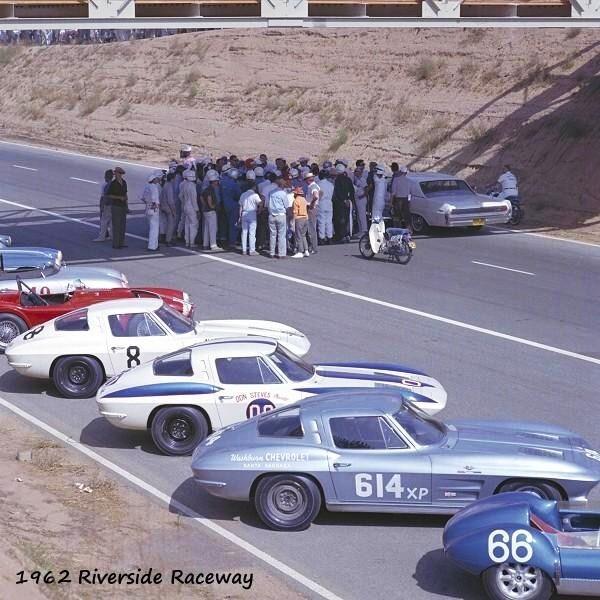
point(117, 193)
point(343, 199)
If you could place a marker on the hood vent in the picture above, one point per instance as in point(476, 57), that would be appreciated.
point(545, 452)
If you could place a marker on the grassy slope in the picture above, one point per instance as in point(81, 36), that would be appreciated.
point(458, 100)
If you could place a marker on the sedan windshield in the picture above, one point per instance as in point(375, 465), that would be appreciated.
point(175, 321)
point(293, 367)
point(445, 187)
point(424, 430)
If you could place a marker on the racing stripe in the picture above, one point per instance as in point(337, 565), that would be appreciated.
point(368, 377)
point(165, 389)
point(375, 367)
point(406, 394)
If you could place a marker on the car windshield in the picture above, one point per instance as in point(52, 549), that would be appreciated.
point(175, 321)
point(424, 430)
point(445, 187)
point(294, 368)
point(26, 262)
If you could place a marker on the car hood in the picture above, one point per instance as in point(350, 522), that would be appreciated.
point(287, 336)
point(92, 277)
point(522, 439)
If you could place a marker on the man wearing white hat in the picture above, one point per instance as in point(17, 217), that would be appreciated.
point(188, 161)
point(189, 207)
point(313, 194)
point(151, 198)
point(379, 191)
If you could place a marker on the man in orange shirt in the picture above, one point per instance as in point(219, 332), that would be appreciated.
point(300, 212)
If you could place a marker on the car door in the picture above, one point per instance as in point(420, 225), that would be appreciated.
point(250, 387)
point(134, 338)
point(372, 463)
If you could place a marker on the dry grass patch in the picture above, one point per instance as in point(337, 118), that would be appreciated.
point(468, 69)
point(192, 76)
point(479, 133)
point(403, 113)
point(572, 32)
point(123, 109)
point(537, 72)
point(131, 80)
point(91, 104)
point(426, 69)
point(434, 136)
point(341, 137)
point(8, 54)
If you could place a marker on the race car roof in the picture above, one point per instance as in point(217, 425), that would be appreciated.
point(353, 399)
point(126, 305)
point(236, 346)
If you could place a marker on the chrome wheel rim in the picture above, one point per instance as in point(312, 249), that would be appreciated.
point(518, 581)
point(286, 501)
point(8, 332)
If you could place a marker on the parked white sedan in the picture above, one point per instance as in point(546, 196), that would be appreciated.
point(442, 200)
point(79, 350)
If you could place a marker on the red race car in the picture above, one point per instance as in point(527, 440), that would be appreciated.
point(23, 309)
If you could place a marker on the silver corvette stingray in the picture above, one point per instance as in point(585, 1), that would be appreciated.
point(44, 271)
point(374, 451)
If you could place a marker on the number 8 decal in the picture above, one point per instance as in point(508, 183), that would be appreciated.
point(31, 334)
point(520, 548)
point(133, 357)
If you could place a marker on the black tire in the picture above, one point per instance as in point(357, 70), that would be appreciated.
point(404, 259)
point(177, 430)
point(11, 327)
point(287, 502)
point(419, 224)
point(77, 376)
point(517, 215)
point(502, 582)
point(541, 489)
point(364, 245)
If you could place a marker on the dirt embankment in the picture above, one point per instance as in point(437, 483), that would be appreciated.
point(464, 101)
point(61, 513)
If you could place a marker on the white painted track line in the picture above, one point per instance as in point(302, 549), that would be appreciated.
point(354, 296)
point(166, 499)
point(84, 180)
point(483, 264)
point(25, 168)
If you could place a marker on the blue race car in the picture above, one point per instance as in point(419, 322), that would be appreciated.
point(527, 548)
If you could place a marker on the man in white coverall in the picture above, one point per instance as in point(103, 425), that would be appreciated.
point(168, 207)
point(325, 208)
point(189, 207)
point(151, 198)
point(379, 191)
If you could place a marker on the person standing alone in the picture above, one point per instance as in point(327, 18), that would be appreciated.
point(117, 194)
point(105, 209)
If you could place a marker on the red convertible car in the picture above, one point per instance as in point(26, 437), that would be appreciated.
point(23, 309)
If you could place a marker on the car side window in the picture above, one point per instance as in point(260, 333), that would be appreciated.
point(363, 433)
point(133, 325)
point(179, 364)
point(75, 321)
point(249, 370)
point(284, 423)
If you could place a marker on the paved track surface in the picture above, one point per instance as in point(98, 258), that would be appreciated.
point(354, 556)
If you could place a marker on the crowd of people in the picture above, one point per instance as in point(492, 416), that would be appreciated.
point(257, 205)
point(50, 37)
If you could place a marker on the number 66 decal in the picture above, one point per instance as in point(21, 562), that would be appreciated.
point(516, 546)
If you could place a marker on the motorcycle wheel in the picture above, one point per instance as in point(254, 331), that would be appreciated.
point(406, 255)
point(517, 215)
point(364, 245)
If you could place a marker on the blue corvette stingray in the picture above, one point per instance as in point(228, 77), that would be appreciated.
point(527, 548)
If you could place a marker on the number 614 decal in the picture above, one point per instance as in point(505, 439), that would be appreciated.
point(517, 547)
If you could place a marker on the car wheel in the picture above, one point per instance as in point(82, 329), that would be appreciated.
point(419, 224)
point(11, 327)
point(77, 376)
point(177, 430)
point(515, 581)
point(364, 245)
point(287, 502)
point(545, 491)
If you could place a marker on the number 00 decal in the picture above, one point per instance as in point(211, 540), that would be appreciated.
point(502, 546)
point(133, 357)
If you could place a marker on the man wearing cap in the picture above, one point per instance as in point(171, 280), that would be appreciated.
point(189, 162)
point(151, 198)
point(105, 211)
point(168, 207)
point(312, 193)
point(360, 188)
point(400, 192)
point(189, 207)
point(211, 200)
point(300, 212)
point(230, 195)
point(325, 210)
point(117, 194)
point(343, 199)
point(379, 192)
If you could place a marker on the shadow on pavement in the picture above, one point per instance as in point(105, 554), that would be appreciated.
point(437, 575)
point(99, 433)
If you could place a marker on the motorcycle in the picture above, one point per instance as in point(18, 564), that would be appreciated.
point(395, 243)
point(517, 213)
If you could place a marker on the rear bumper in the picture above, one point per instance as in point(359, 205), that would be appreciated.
point(474, 220)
